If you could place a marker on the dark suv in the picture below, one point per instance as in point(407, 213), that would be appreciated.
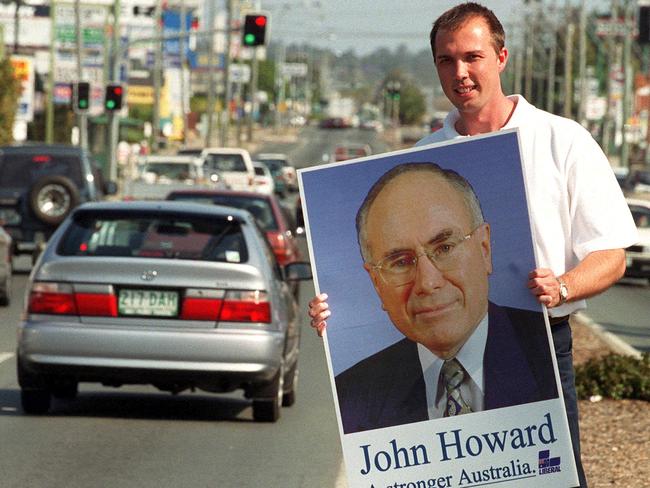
point(39, 185)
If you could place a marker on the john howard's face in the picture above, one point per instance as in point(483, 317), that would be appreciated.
point(439, 305)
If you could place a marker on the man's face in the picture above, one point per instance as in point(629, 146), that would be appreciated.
point(469, 67)
point(437, 309)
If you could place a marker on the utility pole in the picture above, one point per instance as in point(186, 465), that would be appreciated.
point(568, 68)
point(530, 53)
point(49, 110)
point(183, 61)
point(81, 115)
point(225, 114)
point(627, 80)
point(582, 63)
point(17, 25)
point(552, 58)
point(253, 93)
point(157, 68)
point(211, 97)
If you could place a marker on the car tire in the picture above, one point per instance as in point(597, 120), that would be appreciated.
point(35, 402)
point(291, 384)
point(52, 198)
point(268, 409)
point(65, 391)
point(5, 297)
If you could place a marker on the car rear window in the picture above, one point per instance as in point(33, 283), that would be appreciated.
point(169, 170)
point(225, 162)
point(18, 170)
point(259, 207)
point(155, 236)
point(275, 165)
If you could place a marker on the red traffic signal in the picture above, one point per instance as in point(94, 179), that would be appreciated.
point(254, 30)
point(113, 97)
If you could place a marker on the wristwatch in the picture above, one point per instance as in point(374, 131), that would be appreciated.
point(564, 291)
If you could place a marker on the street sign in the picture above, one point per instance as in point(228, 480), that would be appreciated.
point(24, 71)
point(240, 73)
point(297, 70)
point(614, 28)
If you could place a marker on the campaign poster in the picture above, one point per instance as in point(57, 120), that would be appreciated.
point(441, 361)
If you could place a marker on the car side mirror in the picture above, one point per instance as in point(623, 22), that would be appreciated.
point(297, 271)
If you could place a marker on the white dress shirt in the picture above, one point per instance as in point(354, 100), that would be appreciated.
point(470, 357)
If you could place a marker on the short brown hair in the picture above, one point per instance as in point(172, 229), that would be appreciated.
point(455, 18)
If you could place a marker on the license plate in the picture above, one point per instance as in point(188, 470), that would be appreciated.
point(154, 303)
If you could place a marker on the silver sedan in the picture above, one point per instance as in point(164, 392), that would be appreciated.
point(177, 295)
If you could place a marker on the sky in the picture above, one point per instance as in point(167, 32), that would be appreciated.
point(365, 25)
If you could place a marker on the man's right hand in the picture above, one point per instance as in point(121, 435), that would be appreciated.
point(319, 311)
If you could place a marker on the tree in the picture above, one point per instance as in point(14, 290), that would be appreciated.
point(412, 105)
point(8, 100)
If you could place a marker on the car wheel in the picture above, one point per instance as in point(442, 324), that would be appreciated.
point(291, 382)
point(52, 198)
point(5, 297)
point(268, 409)
point(35, 402)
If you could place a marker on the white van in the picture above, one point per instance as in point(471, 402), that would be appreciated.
point(234, 167)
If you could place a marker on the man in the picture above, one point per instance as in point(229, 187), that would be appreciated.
point(429, 260)
point(579, 217)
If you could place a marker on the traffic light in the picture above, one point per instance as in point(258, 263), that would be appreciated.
point(255, 30)
point(644, 24)
point(113, 97)
point(81, 96)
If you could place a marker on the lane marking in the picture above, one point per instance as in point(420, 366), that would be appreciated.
point(5, 355)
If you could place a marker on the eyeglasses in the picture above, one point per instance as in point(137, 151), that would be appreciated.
point(399, 268)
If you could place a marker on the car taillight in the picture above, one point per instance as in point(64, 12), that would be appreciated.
point(52, 298)
point(96, 304)
point(246, 306)
point(280, 246)
point(68, 299)
point(202, 305)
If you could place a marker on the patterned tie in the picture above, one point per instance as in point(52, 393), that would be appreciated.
point(453, 375)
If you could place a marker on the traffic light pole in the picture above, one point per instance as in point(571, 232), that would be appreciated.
point(113, 119)
point(82, 121)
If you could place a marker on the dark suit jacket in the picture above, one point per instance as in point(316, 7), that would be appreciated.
point(387, 388)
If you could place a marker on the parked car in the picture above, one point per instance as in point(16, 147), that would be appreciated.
point(233, 165)
point(176, 295)
point(284, 174)
point(343, 152)
point(271, 216)
point(334, 123)
point(263, 182)
point(6, 244)
point(638, 256)
point(40, 184)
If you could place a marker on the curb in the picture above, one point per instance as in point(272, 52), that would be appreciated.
point(616, 344)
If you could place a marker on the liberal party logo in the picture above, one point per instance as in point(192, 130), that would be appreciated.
point(547, 464)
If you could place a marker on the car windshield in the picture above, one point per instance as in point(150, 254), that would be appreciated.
point(259, 207)
point(134, 235)
point(19, 170)
point(225, 162)
point(173, 171)
point(274, 165)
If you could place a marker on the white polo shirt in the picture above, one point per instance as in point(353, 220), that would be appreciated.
point(575, 202)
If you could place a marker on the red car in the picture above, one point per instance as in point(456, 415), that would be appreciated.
point(273, 219)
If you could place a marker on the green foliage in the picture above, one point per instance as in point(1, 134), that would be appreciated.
point(8, 100)
point(615, 376)
point(412, 105)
